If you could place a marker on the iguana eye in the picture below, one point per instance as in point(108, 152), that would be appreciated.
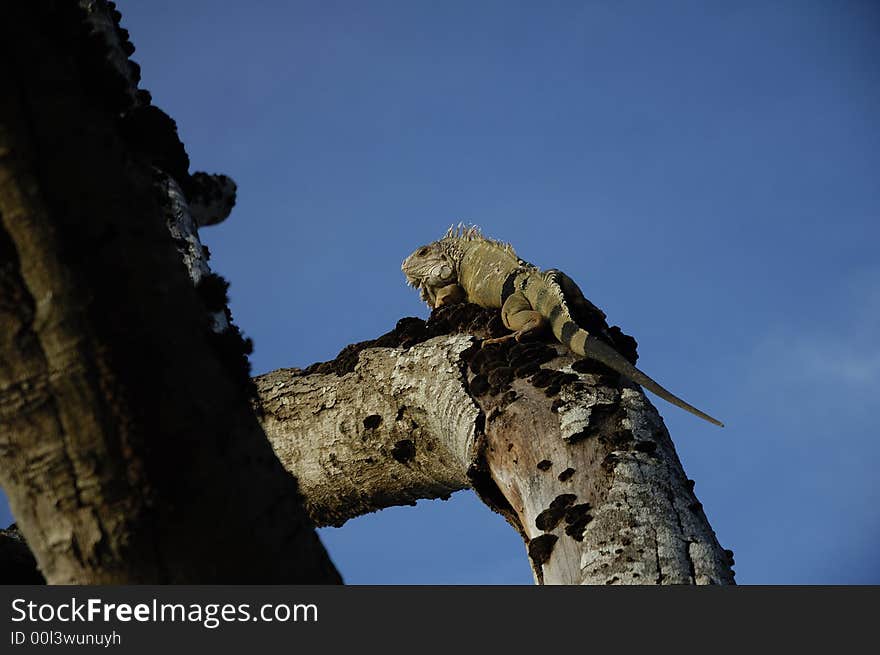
point(421, 252)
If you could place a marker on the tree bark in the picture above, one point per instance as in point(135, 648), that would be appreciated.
point(128, 447)
point(572, 455)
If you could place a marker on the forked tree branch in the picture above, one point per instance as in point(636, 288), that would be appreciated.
point(576, 458)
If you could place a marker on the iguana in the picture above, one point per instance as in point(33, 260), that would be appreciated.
point(465, 266)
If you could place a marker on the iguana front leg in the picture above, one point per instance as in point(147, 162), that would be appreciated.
point(449, 295)
point(517, 315)
point(437, 296)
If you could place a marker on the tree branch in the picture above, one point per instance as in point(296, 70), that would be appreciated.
point(574, 457)
point(371, 439)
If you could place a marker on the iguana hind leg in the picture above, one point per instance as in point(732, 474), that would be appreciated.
point(517, 315)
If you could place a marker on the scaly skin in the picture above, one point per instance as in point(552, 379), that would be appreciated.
point(464, 266)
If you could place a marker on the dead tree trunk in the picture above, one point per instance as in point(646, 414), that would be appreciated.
point(128, 446)
point(574, 457)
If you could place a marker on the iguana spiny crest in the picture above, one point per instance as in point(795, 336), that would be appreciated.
point(465, 266)
point(434, 269)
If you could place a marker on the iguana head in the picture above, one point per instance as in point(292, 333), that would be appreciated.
point(429, 269)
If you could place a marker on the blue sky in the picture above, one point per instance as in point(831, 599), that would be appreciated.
point(707, 172)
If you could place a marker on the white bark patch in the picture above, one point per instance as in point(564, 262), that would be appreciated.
point(577, 407)
point(185, 233)
point(643, 424)
point(183, 230)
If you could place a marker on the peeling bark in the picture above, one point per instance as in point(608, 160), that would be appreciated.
point(572, 455)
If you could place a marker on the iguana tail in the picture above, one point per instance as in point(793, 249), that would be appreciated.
point(583, 343)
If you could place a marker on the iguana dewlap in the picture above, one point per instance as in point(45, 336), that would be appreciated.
point(464, 266)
